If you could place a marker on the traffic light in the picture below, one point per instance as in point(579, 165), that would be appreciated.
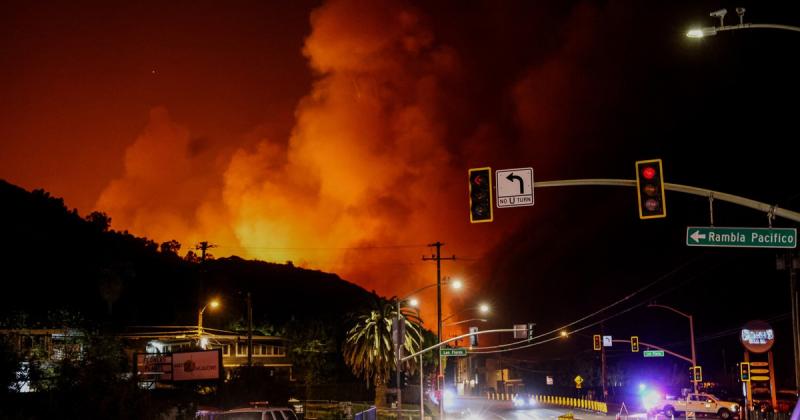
point(635, 344)
point(650, 189)
point(598, 343)
point(473, 338)
point(530, 330)
point(403, 379)
point(696, 374)
point(480, 195)
point(744, 370)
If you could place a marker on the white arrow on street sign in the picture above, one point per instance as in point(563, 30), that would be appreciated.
point(697, 236)
point(514, 187)
point(607, 341)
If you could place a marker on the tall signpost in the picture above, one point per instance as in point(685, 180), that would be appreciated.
point(757, 337)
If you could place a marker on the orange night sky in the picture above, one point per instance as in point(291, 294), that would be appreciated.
point(336, 135)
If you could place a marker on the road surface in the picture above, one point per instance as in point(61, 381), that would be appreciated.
point(484, 409)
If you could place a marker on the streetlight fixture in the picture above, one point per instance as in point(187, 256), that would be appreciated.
point(214, 303)
point(465, 321)
point(711, 30)
point(564, 334)
point(482, 308)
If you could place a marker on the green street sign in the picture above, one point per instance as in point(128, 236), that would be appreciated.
point(447, 352)
point(741, 237)
point(654, 353)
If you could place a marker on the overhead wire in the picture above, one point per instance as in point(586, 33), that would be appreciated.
point(599, 311)
point(558, 330)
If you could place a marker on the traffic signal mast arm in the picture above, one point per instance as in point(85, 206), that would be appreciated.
point(735, 199)
point(435, 346)
point(642, 343)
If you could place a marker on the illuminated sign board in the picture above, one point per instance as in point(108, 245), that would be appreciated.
point(757, 336)
point(188, 366)
point(196, 365)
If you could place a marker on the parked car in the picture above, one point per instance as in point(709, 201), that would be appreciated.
point(257, 411)
point(696, 403)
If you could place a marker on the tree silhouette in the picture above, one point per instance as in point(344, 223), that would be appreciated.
point(99, 220)
point(171, 247)
point(368, 348)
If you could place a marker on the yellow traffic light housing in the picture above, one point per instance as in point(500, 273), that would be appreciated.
point(480, 195)
point(650, 189)
point(744, 371)
point(635, 344)
point(598, 343)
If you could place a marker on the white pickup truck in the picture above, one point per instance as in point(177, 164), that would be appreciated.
point(697, 403)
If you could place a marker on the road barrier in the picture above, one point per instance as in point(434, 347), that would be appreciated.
point(555, 400)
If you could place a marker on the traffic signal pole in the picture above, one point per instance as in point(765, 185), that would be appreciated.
point(691, 335)
point(687, 189)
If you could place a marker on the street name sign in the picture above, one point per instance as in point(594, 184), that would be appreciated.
point(514, 187)
point(741, 237)
point(653, 353)
point(447, 352)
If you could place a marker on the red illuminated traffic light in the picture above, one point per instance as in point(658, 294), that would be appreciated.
point(598, 343)
point(480, 195)
point(650, 189)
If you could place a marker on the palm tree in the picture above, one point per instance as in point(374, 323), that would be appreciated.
point(368, 348)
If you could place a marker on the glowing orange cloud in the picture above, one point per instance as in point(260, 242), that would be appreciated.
point(366, 165)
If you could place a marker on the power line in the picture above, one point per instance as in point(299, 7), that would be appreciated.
point(602, 320)
point(629, 296)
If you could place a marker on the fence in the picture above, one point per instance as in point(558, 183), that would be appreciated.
point(368, 414)
point(767, 415)
point(568, 402)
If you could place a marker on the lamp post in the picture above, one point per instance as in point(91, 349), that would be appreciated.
point(213, 304)
point(713, 30)
point(456, 285)
point(691, 336)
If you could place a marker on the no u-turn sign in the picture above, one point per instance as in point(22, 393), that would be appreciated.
point(514, 187)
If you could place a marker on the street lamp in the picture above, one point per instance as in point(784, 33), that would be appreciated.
point(564, 334)
point(214, 303)
point(482, 308)
point(414, 302)
point(711, 30)
point(465, 321)
point(691, 335)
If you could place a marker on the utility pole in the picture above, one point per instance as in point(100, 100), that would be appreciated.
point(438, 258)
point(791, 263)
point(603, 365)
point(249, 331)
point(203, 247)
point(399, 339)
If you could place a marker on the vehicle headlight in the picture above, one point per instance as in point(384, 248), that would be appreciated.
point(532, 401)
point(735, 407)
